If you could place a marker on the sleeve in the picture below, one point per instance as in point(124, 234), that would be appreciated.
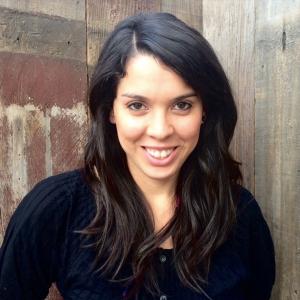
point(29, 253)
point(261, 255)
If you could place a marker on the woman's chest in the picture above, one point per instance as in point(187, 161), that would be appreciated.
point(78, 280)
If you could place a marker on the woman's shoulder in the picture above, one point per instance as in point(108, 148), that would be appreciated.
point(254, 243)
point(66, 182)
point(52, 199)
point(247, 205)
point(248, 254)
point(252, 232)
point(38, 234)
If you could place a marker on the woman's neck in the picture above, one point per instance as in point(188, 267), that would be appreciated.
point(161, 198)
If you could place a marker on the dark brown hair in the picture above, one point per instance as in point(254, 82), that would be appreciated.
point(122, 229)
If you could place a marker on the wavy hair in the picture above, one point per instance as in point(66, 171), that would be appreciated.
point(122, 229)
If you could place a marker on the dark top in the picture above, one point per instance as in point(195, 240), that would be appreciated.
point(41, 247)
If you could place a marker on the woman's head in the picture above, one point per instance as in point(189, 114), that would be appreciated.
point(180, 48)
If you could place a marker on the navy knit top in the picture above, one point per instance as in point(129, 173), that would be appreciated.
point(41, 247)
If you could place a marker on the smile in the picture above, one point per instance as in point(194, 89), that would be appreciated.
point(159, 154)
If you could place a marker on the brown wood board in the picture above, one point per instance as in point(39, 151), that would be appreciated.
point(277, 134)
point(229, 27)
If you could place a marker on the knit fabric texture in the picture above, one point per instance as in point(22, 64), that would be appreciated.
point(41, 246)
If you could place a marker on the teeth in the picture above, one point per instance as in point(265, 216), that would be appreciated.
point(159, 154)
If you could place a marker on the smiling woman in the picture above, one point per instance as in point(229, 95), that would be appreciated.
point(158, 210)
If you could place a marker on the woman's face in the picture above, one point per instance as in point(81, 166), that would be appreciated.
point(157, 117)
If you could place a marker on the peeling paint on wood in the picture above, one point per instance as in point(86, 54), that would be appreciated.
point(29, 79)
point(43, 85)
point(28, 129)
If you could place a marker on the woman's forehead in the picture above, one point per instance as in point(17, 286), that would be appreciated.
point(147, 75)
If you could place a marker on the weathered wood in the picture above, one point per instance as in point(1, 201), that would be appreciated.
point(44, 121)
point(43, 84)
point(42, 34)
point(277, 138)
point(29, 79)
point(188, 11)
point(69, 136)
point(69, 9)
point(229, 27)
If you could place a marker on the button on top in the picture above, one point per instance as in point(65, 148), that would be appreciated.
point(163, 297)
point(162, 258)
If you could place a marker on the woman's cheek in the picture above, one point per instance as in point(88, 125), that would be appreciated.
point(189, 129)
point(132, 128)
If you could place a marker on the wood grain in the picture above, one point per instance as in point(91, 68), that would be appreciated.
point(277, 138)
point(69, 9)
point(229, 27)
point(188, 11)
point(45, 35)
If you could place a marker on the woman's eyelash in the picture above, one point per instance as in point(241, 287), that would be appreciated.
point(183, 105)
point(135, 105)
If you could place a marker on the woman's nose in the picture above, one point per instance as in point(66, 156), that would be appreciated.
point(160, 126)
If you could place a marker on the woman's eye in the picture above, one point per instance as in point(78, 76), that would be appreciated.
point(136, 106)
point(182, 105)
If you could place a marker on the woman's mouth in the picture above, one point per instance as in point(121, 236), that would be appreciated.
point(159, 154)
point(160, 157)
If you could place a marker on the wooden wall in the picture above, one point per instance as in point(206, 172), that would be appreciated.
point(47, 53)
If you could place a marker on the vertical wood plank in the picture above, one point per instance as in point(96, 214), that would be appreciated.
point(229, 27)
point(187, 10)
point(277, 139)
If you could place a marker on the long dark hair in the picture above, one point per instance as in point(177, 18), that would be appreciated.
point(122, 229)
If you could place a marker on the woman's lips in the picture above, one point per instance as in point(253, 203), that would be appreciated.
point(160, 156)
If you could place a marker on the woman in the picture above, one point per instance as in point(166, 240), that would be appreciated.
point(158, 211)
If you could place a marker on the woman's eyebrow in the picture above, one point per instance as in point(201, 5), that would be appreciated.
point(143, 98)
point(134, 96)
point(182, 97)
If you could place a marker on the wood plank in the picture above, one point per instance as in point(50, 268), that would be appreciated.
point(42, 34)
point(277, 139)
point(229, 27)
point(7, 205)
point(188, 11)
point(68, 135)
point(43, 122)
point(69, 9)
point(30, 79)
